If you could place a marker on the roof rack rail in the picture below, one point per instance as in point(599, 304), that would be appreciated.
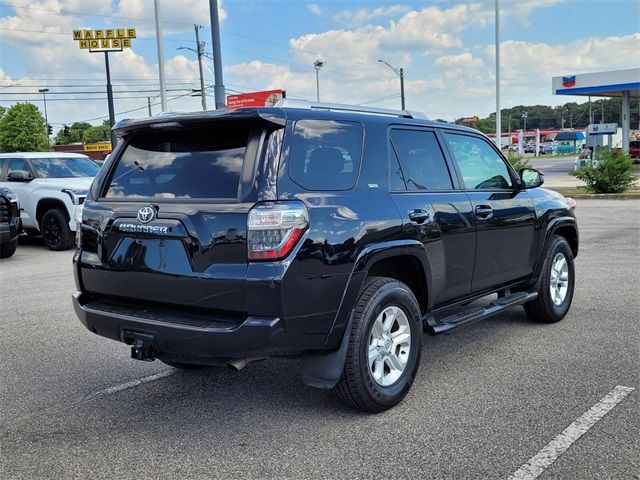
point(342, 107)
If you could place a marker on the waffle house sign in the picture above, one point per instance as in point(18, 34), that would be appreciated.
point(109, 40)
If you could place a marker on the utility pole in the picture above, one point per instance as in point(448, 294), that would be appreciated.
point(498, 113)
point(602, 110)
point(163, 87)
point(200, 47)
point(524, 116)
point(590, 112)
point(149, 105)
point(400, 73)
point(112, 115)
point(318, 65)
point(218, 86)
point(44, 91)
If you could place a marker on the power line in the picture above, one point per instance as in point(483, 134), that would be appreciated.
point(95, 92)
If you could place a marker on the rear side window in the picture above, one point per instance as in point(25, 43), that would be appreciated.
point(420, 164)
point(481, 166)
point(194, 163)
point(325, 154)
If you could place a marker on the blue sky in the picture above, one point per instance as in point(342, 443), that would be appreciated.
point(446, 48)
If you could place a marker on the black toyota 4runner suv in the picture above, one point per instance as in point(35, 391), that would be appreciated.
point(10, 224)
point(328, 233)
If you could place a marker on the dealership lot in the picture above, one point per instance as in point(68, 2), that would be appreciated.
point(486, 400)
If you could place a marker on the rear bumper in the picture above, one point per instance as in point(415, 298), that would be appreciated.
point(186, 340)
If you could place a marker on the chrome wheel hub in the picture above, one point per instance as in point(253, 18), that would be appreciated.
point(559, 284)
point(389, 345)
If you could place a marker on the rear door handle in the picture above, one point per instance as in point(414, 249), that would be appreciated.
point(483, 212)
point(418, 215)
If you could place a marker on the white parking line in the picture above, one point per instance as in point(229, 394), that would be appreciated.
point(556, 447)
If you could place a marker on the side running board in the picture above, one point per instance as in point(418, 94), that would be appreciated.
point(473, 314)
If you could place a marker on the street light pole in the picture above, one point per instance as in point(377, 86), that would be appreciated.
point(218, 85)
point(498, 113)
point(318, 65)
point(400, 73)
point(524, 116)
point(44, 91)
point(163, 87)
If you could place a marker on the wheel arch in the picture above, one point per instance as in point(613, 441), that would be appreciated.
point(567, 228)
point(324, 370)
point(46, 204)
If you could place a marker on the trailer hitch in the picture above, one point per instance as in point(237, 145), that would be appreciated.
point(142, 351)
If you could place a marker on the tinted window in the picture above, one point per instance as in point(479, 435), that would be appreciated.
point(325, 154)
point(19, 165)
point(64, 167)
point(480, 165)
point(195, 163)
point(422, 164)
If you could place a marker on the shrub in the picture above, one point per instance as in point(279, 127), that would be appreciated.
point(613, 174)
point(518, 162)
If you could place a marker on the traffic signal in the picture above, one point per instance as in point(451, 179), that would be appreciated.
point(49, 129)
point(66, 131)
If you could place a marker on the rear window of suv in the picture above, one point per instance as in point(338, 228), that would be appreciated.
point(325, 154)
point(194, 163)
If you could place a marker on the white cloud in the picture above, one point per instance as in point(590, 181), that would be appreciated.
point(315, 9)
point(363, 16)
point(462, 60)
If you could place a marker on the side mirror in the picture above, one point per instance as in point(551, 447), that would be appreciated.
point(17, 177)
point(531, 178)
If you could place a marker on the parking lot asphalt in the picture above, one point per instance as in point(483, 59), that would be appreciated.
point(487, 398)
point(556, 170)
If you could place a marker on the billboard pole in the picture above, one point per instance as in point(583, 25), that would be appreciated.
point(163, 87)
point(112, 116)
point(218, 86)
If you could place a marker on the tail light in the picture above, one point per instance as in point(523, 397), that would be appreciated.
point(274, 228)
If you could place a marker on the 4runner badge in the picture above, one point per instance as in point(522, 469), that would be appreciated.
point(146, 214)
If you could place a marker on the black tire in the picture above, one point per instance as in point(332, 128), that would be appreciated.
point(55, 230)
point(8, 249)
point(184, 366)
point(357, 386)
point(543, 309)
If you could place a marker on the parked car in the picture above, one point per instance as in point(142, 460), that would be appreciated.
point(329, 233)
point(548, 148)
point(10, 225)
point(634, 150)
point(530, 148)
point(51, 186)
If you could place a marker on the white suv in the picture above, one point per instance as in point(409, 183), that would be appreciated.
point(51, 186)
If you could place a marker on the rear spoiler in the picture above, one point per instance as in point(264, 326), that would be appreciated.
point(275, 116)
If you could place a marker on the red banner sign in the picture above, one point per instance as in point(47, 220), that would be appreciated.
point(255, 99)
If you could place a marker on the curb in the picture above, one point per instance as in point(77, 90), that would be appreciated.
point(605, 196)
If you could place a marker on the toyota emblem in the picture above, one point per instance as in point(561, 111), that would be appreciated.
point(146, 214)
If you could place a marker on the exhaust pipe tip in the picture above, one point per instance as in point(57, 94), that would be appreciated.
point(237, 364)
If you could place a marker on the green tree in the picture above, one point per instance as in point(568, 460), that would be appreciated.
point(22, 129)
point(100, 133)
point(75, 135)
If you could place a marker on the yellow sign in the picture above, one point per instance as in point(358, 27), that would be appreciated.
point(104, 40)
point(96, 147)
